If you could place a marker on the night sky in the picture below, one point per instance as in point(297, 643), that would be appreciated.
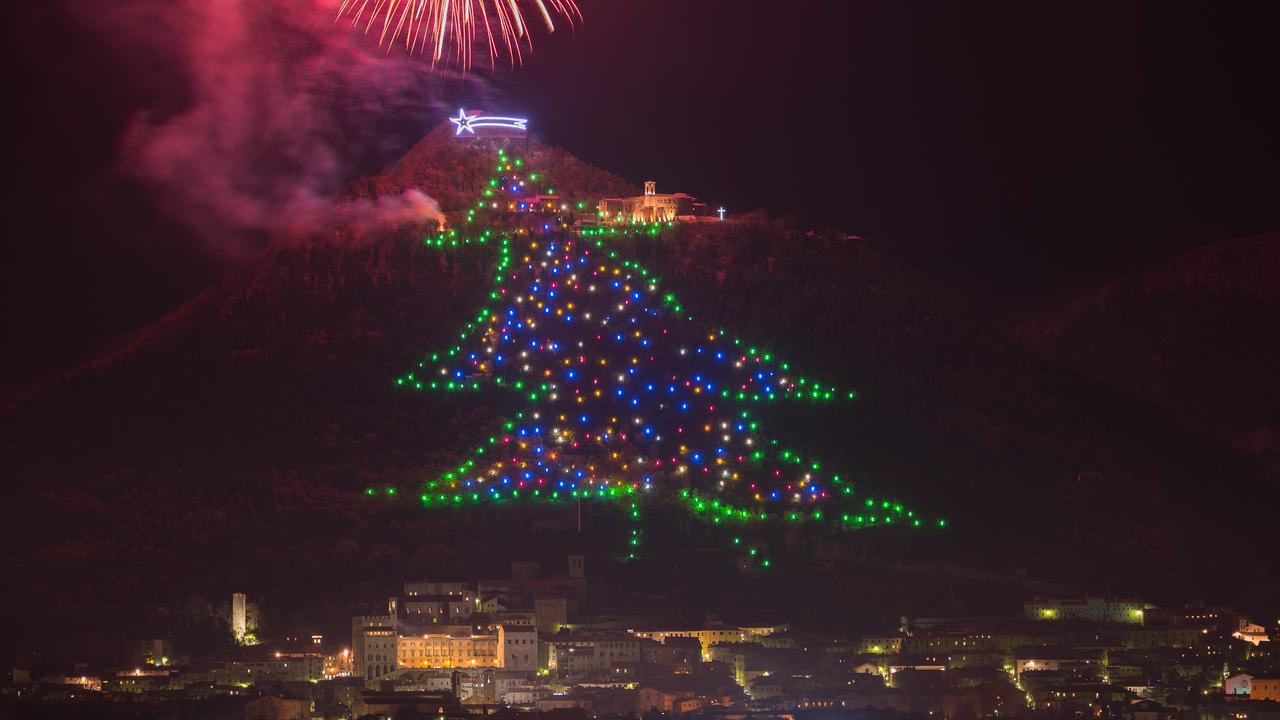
point(1010, 148)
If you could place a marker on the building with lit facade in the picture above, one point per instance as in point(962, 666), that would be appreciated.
point(430, 628)
point(441, 650)
point(508, 648)
point(1093, 609)
point(650, 207)
point(1264, 688)
point(710, 636)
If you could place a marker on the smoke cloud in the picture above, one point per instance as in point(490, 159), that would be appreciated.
point(259, 111)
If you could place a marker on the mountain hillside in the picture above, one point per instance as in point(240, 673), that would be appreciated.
point(1196, 334)
point(454, 174)
point(241, 430)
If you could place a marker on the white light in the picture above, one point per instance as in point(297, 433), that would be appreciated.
point(465, 123)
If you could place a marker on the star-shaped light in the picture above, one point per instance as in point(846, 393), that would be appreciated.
point(462, 123)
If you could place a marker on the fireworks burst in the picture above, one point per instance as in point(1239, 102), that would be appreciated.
point(449, 29)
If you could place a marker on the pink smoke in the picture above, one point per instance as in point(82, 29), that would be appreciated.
point(363, 217)
point(278, 109)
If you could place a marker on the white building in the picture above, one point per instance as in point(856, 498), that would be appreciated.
point(649, 207)
point(1238, 684)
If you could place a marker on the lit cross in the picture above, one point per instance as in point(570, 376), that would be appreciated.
point(721, 211)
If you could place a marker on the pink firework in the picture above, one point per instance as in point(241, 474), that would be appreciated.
point(448, 29)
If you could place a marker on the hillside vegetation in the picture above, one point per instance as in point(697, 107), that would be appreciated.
point(242, 428)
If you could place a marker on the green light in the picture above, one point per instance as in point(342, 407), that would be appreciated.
point(482, 326)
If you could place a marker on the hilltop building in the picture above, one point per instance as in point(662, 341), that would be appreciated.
point(652, 207)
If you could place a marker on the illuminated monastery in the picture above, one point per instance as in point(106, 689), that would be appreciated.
point(653, 207)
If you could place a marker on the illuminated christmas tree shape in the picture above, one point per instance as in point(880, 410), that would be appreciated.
point(629, 399)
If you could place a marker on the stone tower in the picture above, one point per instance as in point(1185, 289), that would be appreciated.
point(239, 624)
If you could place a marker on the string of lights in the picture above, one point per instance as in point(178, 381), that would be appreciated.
point(627, 397)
